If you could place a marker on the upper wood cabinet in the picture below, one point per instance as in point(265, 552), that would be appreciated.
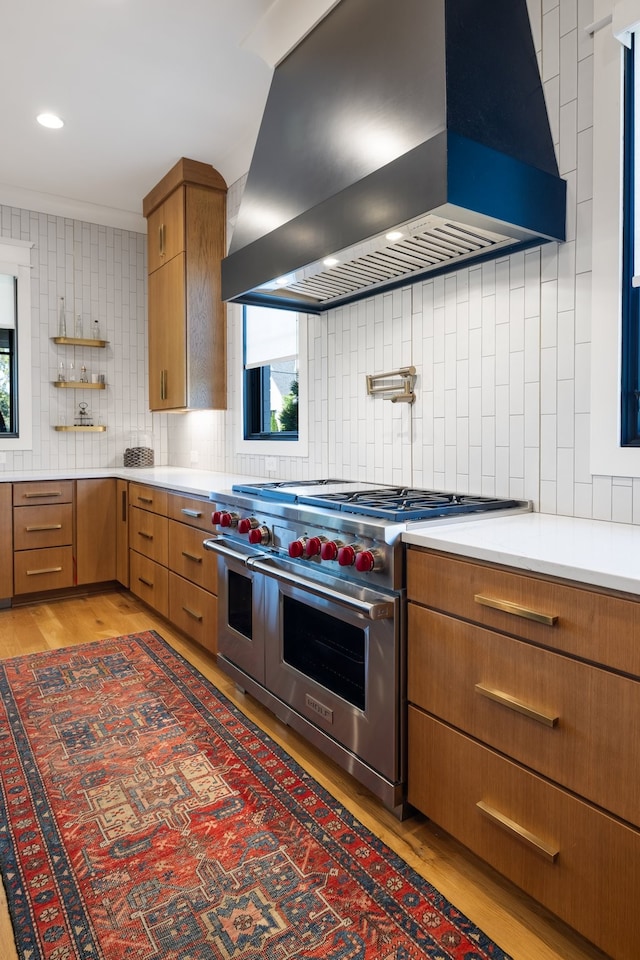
point(186, 213)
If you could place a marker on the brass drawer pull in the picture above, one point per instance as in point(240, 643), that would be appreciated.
point(35, 573)
point(506, 700)
point(145, 499)
point(163, 384)
point(44, 526)
point(196, 514)
point(191, 613)
point(515, 610)
point(48, 493)
point(147, 583)
point(191, 556)
point(145, 536)
point(516, 830)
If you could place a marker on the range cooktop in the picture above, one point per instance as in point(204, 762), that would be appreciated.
point(396, 504)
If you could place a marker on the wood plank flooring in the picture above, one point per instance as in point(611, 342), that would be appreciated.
point(523, 929)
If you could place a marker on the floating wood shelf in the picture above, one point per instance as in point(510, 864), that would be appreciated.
point(78, 385)
point(80, 341)
point(99, 429)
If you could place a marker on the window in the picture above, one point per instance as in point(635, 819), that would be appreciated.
point(271, 376)
point(630, 353)
point(8, 378)
point(15, 345)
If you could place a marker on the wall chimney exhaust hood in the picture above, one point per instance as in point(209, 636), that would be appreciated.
point(399, 140)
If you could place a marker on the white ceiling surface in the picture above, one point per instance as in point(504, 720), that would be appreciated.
point(139, 84)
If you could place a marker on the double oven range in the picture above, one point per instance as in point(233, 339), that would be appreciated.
point(311, 610)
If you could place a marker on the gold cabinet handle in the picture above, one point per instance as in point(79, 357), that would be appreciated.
point(147, 583)
point(192, 613)
point(44, 526)
point(515, 609)
point(506, 700)
point(191, 556)
point(145, 536)
point(145, 499)
point(124, 506)
point(35, 573)
point(191, 513)
point(517, 830)
point(163, 384)
point(161, 240)
point(46, 493)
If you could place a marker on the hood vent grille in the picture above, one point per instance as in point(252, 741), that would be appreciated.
point(434, 243)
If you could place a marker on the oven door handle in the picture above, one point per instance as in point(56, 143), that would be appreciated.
point(381, 609)
point(219, 545)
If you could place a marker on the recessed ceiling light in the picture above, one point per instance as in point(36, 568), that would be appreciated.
point(50, 120)
point(331, 262)
point(395, 235)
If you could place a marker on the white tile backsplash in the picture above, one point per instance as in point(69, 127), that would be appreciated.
point(502, 351)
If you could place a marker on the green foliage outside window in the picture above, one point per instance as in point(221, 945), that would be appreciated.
point(289, 413)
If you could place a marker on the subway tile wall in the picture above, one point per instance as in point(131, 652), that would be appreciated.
point(502, 351)
point(101, 273)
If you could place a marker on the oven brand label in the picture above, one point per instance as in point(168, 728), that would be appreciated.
point(318, 708)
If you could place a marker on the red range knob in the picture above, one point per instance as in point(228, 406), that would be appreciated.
point(228, 519)
point(329, 549)
point(313, 546)
point(365, 561)
point(259, 535)
point(216, 516)
point(346, 556)
point(296, 548)
point(247, 524)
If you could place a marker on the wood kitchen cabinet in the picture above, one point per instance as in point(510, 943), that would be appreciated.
point(169, 567)
point(6, 543)
point(186, 215)
point(43, 536)
point(524, 733)
point(122, 532)
point(96, 530)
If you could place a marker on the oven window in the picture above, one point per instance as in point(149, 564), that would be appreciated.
point(325, 649)
point(240, 603)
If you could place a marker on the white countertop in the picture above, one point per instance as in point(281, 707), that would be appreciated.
point(198, 482)
point(595, 552)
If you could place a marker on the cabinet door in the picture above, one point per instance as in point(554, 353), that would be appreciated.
point(96, 530)
point(122, 532)
point(165, 231)
point(167, 336)
point(6, 544)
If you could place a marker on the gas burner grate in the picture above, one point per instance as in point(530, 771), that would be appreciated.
point(405, 503)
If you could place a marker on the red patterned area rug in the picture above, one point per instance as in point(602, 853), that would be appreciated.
point(143, 816)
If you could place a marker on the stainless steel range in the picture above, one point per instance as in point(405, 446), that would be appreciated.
point(311, 610)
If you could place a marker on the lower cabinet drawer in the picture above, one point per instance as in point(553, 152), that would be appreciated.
point(577, 861)
point(149, 534)
point(42, 526)
point(189, 559)
point(194, 611)
point(47, 569)
point(149, 581)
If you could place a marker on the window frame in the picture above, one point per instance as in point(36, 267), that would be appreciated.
point(273, 447)
point(15, 260)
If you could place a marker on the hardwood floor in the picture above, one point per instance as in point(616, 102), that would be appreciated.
point(523, 929)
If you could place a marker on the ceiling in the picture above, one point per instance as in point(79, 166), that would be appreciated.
point(139, 84)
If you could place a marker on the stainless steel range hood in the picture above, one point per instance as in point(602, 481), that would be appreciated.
point(425, 117)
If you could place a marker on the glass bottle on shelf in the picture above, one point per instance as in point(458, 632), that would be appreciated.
point(72, 372)
point(78, 328)
point(62, 321)
point(95, 330)
point(83, 374)
point(61, 372)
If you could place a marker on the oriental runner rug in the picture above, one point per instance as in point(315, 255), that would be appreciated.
point(143, 816)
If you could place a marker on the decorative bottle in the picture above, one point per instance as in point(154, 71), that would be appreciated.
point(78, 328)
point(62, 322)
point(95, 330)
point(72, 372)
point(61, 373)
